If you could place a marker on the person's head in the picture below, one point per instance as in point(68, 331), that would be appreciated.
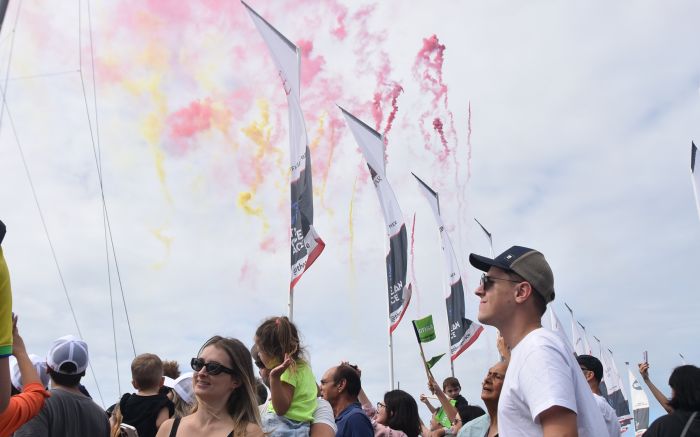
point(465, 413)
point(275, 338)
point(493, 383)
point(519, 279)
point(341, 382)
point(451, 387)
point(685, 385)
point(263, 371)
point(183, 395)
point(223, 371)
point(261, 391)
point(67, 361)
point(147, 372)
point(171, 369)
point(592, 369)
point(399, 411)
point(16, 375)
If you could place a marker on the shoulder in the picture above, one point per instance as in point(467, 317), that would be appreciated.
point(253, 430)
point(165, 428)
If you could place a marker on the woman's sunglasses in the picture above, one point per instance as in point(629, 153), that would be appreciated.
point(213, 368)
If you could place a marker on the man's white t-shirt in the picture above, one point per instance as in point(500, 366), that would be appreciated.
point(543, 373)
point(609, 415)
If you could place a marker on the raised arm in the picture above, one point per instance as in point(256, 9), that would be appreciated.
point(449, 409)
point(5, 327)
point(281, 393)
point(663, 400)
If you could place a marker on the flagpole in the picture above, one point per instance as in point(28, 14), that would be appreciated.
point(391, 335)
point(290, 304)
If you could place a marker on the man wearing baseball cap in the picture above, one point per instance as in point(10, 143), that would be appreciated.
point(68, 412)
point(544, 392)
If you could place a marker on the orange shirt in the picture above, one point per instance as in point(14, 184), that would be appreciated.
point(22, 408)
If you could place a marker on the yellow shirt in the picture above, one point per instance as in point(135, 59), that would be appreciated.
point(5, 309)
point(304, 400)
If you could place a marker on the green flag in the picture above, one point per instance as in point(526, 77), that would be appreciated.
point(425, 331)
point(433, 361)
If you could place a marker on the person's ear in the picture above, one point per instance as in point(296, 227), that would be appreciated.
point(341, 385)
point(523, 292)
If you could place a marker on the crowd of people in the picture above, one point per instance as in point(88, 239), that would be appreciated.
point(539, 388)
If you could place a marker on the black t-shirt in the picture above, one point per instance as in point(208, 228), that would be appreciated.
point(671, 425)
point(141, 412)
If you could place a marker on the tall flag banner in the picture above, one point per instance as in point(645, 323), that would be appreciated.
point(306, 245)
point(463, 332)
point(488, 236)
point(372, 146)
point(3, 10)
point(640, 405)
point(695, 176)
point(556, 325)
point(612, 389)
point(683, 362)
point(579, 340)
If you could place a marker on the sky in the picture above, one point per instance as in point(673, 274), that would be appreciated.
point(563, 127)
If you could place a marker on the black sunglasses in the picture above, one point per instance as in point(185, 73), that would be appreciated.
point(213, 368)
point(487, 281)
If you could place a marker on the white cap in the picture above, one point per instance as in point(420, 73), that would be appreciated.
point(39, 365)
point(168, 382)
point(183, 387)
point(68, 349)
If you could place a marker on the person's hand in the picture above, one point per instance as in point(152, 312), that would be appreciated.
point(354, 366)
point(17, 341)
point(502, 347)
point(644, 370)
point(433, 386)
point(423, 398)
point(279, 370)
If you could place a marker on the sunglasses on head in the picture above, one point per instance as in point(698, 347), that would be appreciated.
point(213, 368)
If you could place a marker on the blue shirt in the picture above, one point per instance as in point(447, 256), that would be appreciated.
point(353, 422)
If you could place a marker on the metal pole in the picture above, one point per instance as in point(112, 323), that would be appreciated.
point(290, 304)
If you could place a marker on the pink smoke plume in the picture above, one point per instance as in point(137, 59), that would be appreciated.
point(310, 67)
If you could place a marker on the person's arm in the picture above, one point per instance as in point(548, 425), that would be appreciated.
point(423, 398)
point(449, 409)
point(165, 427)
point(5, 328)
point(26, 369)
point(163, 415)
point(321, 429)
point(281, 392)
point(663, 400)
point(558, 422)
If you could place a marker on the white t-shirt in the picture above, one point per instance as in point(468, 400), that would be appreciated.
point(324, 414)
point(543, 373)
point(609, 415)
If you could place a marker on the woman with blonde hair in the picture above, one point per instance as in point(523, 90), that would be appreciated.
point(224, 386)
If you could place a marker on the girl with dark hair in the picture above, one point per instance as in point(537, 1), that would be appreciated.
point(293, 389)
point(223, 384)
point(684, 421)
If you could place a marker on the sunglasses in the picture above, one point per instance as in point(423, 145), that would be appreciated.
point(213, 368)
point(380, 405)
point(487, 281)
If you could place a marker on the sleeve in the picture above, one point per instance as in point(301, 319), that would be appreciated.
point(5, 309)
point(546, 381)
point(290, 377)
point(23, 407)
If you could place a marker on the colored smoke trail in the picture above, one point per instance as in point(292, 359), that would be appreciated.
point(310, 67)
point(167, 243)
point(437, 125)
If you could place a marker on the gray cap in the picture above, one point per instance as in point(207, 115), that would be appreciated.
point(525, 262)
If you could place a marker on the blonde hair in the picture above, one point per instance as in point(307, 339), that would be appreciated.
point(242, 404)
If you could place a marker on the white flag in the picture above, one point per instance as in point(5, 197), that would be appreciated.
point(640, 405)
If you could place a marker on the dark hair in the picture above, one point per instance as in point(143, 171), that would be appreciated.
point(261, 391)
point(593, 364)
point(278, 336)
point(450, 381)
point(171, 369)
point(147, 371)
point(402, 412)
point(351, 377)
point(467, 412)
point(63, 378)
point(685, 382)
